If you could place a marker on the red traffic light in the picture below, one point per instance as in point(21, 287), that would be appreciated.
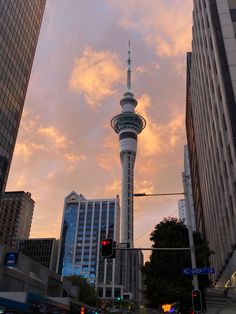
point(107, 250)
point(106, 242)
point(197, 300)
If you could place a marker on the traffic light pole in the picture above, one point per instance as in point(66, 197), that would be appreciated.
point(190, 233)
point(154, 249)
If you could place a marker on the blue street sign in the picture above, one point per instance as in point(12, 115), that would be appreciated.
point(10, 259)
point(198, 271)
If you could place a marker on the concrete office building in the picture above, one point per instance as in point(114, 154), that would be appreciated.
point(188, 192)
point(129, 274)
point(128, 124)
point(211, 130)
point(29, 287)
point(20, 23)
point(15, 217)
point(85, 223)
point(42, 250)
point(20, 273)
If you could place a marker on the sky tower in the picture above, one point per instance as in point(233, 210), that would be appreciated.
point(128, 124)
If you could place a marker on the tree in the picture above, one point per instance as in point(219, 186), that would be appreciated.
point(87, 293)
point(163, 278)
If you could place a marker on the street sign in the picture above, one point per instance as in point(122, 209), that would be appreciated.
point(198, 271)
point(11, 259)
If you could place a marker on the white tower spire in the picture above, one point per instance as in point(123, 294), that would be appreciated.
point(129, 70)
point(128, 124)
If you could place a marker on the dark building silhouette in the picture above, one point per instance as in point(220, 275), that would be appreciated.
point(211, 131)
point(42, 250)
point(15, 217)
point(20, 22)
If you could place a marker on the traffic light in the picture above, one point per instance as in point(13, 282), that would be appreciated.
point(107, 248)
point(82, 310)
point(197, 300)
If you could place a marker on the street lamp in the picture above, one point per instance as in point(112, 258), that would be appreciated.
point(190, 232)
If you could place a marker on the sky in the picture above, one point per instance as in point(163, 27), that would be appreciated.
point(65, 141)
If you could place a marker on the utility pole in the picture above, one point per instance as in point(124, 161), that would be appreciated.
point(189, 227)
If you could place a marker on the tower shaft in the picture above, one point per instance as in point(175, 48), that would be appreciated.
point(127, 219)
point(128, 124)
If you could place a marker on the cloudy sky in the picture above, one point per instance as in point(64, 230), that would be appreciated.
point(65, 141)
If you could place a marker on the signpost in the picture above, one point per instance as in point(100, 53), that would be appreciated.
point(198, 271)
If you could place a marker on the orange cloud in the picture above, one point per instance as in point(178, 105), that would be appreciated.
point(20, 182)
point(113, 188)
point(52, 133)
point(164, 26)
point(26, 150)
point(110, 148)
point(28, 122)
point(74, 157)
point(159, 138)
point(94, 75)
point(146, 186)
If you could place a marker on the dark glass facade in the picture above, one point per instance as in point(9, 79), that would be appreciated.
point(20, 22)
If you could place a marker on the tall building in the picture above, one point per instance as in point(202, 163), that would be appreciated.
point(84, 224)
point(129, 274)
point(211, 130)
point(188, 192)
point(19, 30)
point(15, 217)
point(128, 124)
point(42, 250)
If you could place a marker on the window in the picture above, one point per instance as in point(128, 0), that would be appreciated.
point(233, 14)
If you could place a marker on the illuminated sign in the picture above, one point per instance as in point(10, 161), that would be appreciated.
point(11, 259)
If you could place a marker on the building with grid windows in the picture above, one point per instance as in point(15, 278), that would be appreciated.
point(84, 224)
point(20, 23)
point(42, 250)
point(15, 217)
point(211, 131)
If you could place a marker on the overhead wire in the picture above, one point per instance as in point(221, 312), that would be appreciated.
point(151, 228)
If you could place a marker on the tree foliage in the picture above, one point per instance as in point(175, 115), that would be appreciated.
point(87, 293)
point(163, 277)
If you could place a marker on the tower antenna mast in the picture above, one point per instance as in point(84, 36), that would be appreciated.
point(129, 70)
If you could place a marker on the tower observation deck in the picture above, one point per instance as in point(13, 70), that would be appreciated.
point(128, 124)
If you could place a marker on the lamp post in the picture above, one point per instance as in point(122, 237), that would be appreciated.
point(189, 227)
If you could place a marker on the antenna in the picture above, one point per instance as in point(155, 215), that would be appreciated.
point(129, 69)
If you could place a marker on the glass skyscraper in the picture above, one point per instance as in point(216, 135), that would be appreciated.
point(20, 22)
point(84, 224)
